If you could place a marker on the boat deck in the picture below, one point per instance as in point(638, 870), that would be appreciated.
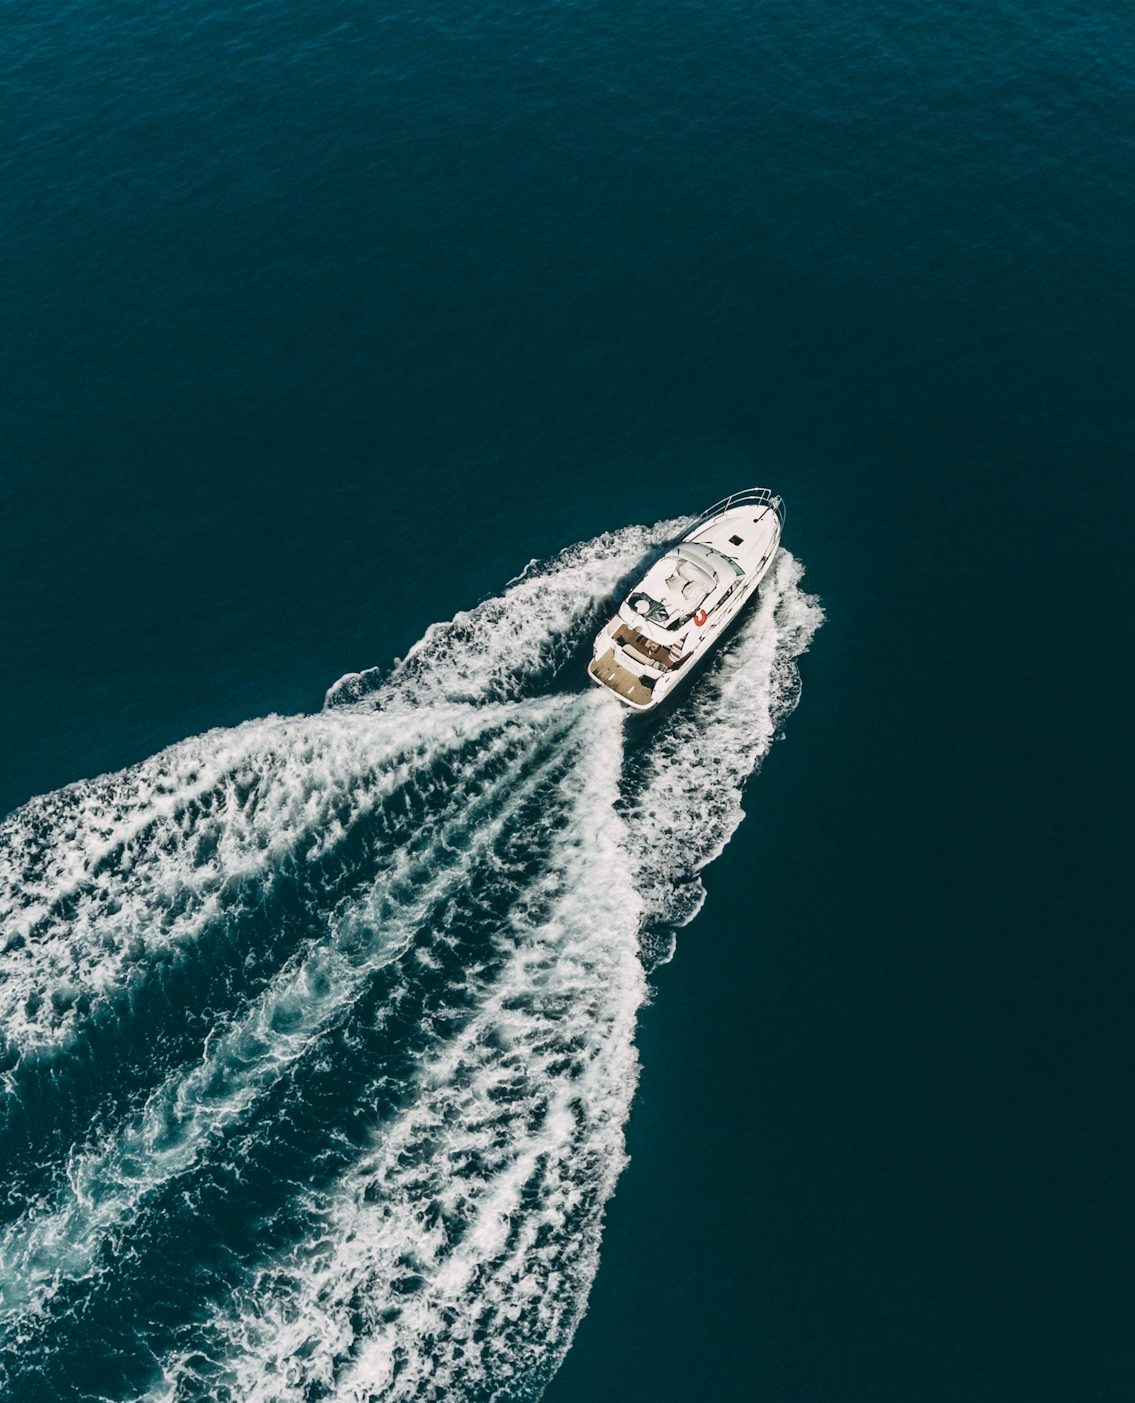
point(615, 676)
point(650, 652)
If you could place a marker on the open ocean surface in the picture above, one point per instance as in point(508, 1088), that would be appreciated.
point(325, 1037)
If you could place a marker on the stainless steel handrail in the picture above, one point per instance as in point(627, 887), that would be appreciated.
point(749, 496)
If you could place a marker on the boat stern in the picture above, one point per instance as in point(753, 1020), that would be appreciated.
point(637, 692)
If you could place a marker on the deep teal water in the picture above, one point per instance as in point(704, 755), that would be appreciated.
point(320, 322)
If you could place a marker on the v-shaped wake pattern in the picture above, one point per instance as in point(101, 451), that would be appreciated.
point(318, 1034)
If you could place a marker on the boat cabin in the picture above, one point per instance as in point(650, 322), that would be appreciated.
point(684, 583)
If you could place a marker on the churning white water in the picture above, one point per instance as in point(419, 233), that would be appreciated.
point(405, 939)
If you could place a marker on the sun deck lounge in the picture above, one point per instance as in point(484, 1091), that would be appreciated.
point(655, 654)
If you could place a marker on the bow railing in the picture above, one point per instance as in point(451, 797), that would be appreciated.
point(749, 497)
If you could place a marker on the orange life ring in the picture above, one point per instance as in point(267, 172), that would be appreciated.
point(700, 617)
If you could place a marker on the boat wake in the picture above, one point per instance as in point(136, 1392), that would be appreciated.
point(318, 1034)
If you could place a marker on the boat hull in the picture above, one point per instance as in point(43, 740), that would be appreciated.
point(748, 526)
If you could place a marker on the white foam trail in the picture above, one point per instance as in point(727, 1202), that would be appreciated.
point(453, 1257)
point(499, 649)
point(99, 877)
point(687, 804)
point(458, 1251)
point(58, 1241)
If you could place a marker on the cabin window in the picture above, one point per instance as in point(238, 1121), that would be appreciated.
point(736, 540)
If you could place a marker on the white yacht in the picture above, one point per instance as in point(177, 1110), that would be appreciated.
point(681, 606)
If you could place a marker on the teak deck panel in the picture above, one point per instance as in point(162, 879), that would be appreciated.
point(613, 675)
point(654, 653)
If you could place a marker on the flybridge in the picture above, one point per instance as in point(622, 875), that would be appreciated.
point(673, 590)
point(677, 611)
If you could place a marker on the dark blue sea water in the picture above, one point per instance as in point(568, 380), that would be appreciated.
point(324, 1037)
